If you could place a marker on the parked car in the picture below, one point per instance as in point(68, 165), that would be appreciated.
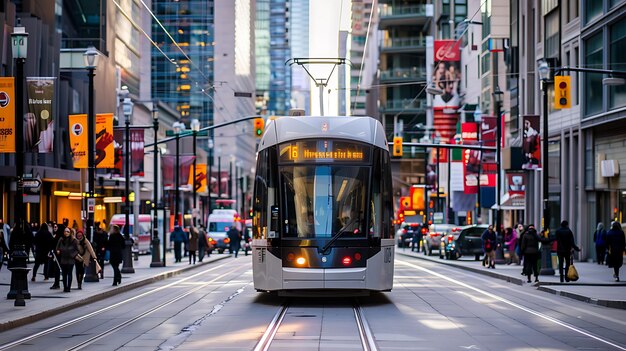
point(432, 240)
point(404, 235)
point(468, 243)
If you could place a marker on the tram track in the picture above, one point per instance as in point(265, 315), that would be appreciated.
point(123, 304)
point(365, 333)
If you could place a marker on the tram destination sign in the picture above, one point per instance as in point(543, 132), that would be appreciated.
point(324, 151)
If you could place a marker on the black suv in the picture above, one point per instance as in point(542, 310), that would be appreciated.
point(469, 243)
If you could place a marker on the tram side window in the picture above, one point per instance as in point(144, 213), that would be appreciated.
point(376, 199)
point(261, 201)
point(387, 196)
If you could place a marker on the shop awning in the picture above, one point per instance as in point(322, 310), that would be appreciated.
point(511, 202)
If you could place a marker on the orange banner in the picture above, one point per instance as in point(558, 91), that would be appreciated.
point(105, 148)
point(78, 140)
point(7, 115)
point(201, 177)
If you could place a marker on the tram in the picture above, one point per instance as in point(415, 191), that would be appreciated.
point(322, 207)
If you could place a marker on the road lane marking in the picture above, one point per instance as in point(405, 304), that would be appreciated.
point(513, 304)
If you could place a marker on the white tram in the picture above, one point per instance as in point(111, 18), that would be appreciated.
point(323, 207)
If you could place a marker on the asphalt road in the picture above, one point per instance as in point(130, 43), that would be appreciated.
point(432, 307)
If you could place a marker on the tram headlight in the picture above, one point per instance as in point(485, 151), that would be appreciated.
point(300, 261)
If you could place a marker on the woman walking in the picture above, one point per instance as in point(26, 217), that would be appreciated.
point(67, 251)
point(86, 252)
point(617, 246)
point(510, 243)
point(599, 238)
point(192, 247)
point(530, 251)
point(44, 242)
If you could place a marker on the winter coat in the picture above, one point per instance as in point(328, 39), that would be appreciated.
point(178, 235)
point(202, 239)
point(67, 249)
point(116, 248)
point(489, 240)
point(565, 241)
point(86, 251)
point(617, 246)
point(44, 242)
point(235, 237)
point(193, 240)
point(511, 241)
point(530, 242)
point(100, 242)
point(599, 236)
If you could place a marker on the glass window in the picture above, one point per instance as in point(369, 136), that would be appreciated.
point(593, 82)
point(617, 94)
point(320, 201)
point(264, 192)
point(593, 9)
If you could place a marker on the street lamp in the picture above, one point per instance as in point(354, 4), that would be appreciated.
point(127, 107)
point(90, 60)
point(546, 256)
point(195, 127)
point(178, 127)
point(498, 96)
point(156, 256)
point(19, 272)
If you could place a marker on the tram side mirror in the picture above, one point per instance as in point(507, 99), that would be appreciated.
point(274, 220)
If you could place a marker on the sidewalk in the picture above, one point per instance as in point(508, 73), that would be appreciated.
point(45, 302)
point(596, 284)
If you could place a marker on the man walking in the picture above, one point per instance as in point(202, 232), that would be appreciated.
point(489, 247)
point(564, 246)
point(235, 239)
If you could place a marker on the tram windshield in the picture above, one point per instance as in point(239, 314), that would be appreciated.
point(323, 200)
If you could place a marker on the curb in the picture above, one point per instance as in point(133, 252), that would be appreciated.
point(100, 296)
point(605, 303)
point(541, 286)
point(516, 281)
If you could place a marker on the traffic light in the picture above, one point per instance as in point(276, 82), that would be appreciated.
point(259, 125)
point(562, 92)
point(397, 146)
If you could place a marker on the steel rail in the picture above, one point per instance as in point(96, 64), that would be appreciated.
point(365, 332)
point(102, 310)
point(267, 338)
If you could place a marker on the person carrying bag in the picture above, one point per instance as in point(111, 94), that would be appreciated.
point(572, 272)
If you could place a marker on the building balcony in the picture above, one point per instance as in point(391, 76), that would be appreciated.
point(406, 44)
point(404, 105)
point(414, 15)
point(403, 74)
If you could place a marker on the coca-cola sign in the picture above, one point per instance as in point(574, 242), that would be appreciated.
point(447, 50)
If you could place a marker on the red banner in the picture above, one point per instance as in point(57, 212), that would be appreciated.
point(105, 150)
point(531, 143)
point(136, 152)
point(118, 136)
point(169, 161)
point(471, 158)
point(489, 167)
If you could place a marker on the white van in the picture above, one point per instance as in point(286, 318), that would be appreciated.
point(218, 224)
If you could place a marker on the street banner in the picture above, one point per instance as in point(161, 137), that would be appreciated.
point(446, 77)
point(201, 177)
point(137, 153)
point(516, 183)
point(78, 140)
point(118, 146)
point(105, 148)
point(38, 121)
point(531, 143)
point(169, 162)
point(471, 158)
point(7, 115)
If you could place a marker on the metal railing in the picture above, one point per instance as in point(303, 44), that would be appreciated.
point(403, 73)
point(404, 43)
point(408, 105)
point(402, 11)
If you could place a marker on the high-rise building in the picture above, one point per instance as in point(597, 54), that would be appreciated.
point(363, 55)
point(299, 40)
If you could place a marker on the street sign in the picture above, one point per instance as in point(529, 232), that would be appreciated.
point(31, 183)
point(91, 205)
point(438, 218)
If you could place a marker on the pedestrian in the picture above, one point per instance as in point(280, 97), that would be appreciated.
point(44, 242)
point(235, 239)
point(599, 239)
point(54, 265)
point(529, 249)
point(510, 243)
point(203, 243)
point(85, 250)
point(116, 246)
point(616, 244)
point(28, 240)
point(177, 237)
point(67, 253)
point(192, 247)
point(246, 240)
point(74, 225)
point(100, 241)
point(564, 246)
point(489, 246)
